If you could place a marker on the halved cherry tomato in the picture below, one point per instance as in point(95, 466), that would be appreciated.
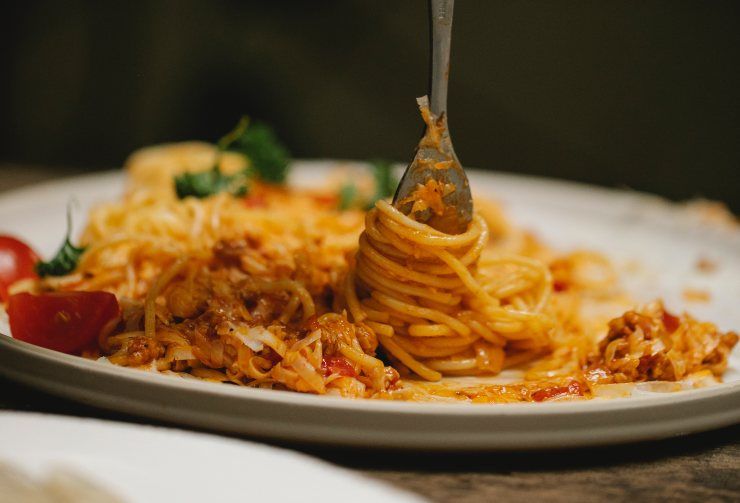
point(17, 261)
point(64, 321)
point(337, 365)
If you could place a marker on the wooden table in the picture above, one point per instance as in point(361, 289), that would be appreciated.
point(703, 467)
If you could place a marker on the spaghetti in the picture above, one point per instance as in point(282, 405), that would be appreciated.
point(281, 289)
point(434, 310)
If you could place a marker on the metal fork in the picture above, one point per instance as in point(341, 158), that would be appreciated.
point(437, 160)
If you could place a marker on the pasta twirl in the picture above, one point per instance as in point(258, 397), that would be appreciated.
point(282, 289)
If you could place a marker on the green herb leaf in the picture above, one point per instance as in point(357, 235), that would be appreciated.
point(347, 196)
point(257, 141)
point(208, 183)
point(385, 181)
point(268, 161)
point(65, 260)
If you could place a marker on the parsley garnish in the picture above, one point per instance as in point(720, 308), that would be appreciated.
point(385, 181)
point(384, 187)
point(65, 260)
point(207, 183)
point(267, 156)
point(268, 161)
point(347, 196)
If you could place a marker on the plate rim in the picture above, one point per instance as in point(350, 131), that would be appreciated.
point(289, 417)
point(18, 199)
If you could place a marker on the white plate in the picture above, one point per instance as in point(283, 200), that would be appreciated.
point(150, 464)
point(665, 238)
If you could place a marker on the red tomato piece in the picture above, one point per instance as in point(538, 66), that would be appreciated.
point(255, 201)
point(17, 261)
point(573, 389)
point(64, 321)
point(559, 286)
point(670, 322)
point(330, 200)
point(337, 365)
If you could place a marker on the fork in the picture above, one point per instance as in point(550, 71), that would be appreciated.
point(435, 157)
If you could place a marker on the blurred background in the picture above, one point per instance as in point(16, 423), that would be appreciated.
point(641, 94)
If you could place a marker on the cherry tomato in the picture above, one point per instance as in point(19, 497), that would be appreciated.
point(64, 321)
point(17, 261)
point(337, 365)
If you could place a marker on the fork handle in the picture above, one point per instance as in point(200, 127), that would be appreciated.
point(440, 19)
